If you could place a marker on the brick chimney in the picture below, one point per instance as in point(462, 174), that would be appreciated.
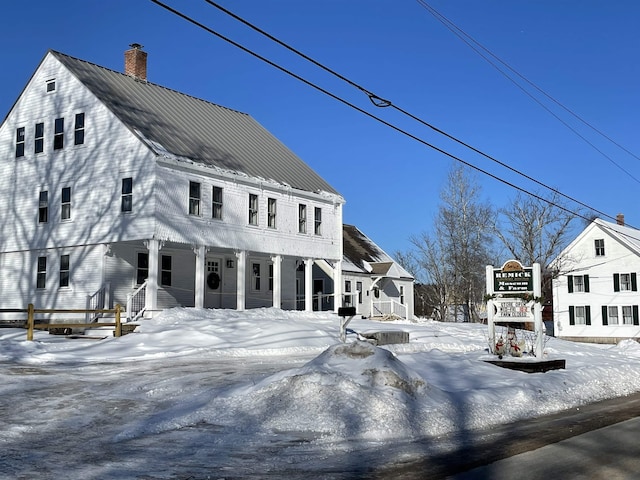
point(620, 219)
point(135, 62)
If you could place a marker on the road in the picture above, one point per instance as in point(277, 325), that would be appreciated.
point(596, 441)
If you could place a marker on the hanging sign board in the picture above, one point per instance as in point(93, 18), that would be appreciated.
point(513, 278)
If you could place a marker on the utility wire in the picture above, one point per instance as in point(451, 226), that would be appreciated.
point(476, 47)
point(380, 102)
point(374, 117)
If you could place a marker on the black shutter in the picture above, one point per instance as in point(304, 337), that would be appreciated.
point(570, 283)
point(616, 282)
point(634, 282)
point(587, 315)
point(635, 315)
point(605, 319)
point(586, 283)
point(572, 316)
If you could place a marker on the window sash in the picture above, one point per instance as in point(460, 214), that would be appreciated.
point(38, 146)
point(317, 218)
point(43, 207)
point(20, 142)
point(253, 209)
point(126, 203)
point(64, 271)
point(65, 213)
point(599, 244)
point(194, 198)
point(302, 218)
point(58, 134)
point(142, 269)
point(41, 275)
point(79, 129)
point(165, 271)
point(271, 213)
point(612, 314)
point(255, 269)
point(216, 203)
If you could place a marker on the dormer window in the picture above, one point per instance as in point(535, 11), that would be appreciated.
point(51, 85)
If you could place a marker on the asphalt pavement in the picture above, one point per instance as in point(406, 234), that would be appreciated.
point(477, 459)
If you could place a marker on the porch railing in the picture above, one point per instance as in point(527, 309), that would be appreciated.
point(136, 302)
point(97, 302)
point(388, 307)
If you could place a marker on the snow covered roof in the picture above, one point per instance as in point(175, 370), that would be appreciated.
point(361, 255)
point(176, 124)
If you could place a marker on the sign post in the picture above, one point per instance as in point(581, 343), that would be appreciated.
point(514, 292)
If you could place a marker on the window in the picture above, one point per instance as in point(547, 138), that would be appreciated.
point(142, 271)
point(359, 290)
point(610, 315)
point(317, 221)
point(216, 203)
point(271, 277)
point(65, 213)
point(302, 218)
point(194, 198)
point(580, 315)
point(58, 134)
point(78, 131)
point(43, 207)
point(64, 271)
point(271, 212)
point(627, 315)
point(126, 202)
point(38, 146)
point(402, 294)
point(51, 85)
point(255, 268)
point(599, 243)
point(625, 282)
point(165, 271)
point(347, 291)
point(253, 209)
point(19, 142)
point(41, 278)
point(578, 283)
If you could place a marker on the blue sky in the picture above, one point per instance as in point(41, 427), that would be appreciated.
point(583, 53)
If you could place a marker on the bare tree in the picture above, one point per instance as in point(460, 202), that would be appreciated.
point(452, 259)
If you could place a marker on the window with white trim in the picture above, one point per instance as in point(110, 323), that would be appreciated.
point(38, 144)
point(126, 199)
point(255, 271)
point(43, 207)
point(51, 85)
point(253, 209)
point(317, 221)
point(78, 129)
point(271, 212)
point(142, 268)
point(347, 291)
point(599, 245)
point(625, 282)
point(302, 218)
point(65, 204)
point(41, 275)
point(58, 134)
point(194, 198)
point(216, 203)
point(165, 270)
point(19, 142)
point(65, 271)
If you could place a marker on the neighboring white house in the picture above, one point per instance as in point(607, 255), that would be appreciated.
point(372, 281)
point(117, 190)
point(595, 295)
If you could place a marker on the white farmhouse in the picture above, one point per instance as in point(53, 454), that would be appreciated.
point(595, 295)
point(117, 190)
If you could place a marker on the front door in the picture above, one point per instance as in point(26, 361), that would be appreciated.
point(213, 279)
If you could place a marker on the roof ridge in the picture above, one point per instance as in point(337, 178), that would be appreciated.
point(153, 84)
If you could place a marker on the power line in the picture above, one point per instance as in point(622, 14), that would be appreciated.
point(472, 43)
point(376, 99)
point(380, 102)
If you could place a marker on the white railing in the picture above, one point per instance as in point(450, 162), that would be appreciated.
point(97, 301)
point(136, 302)
point(385, 308)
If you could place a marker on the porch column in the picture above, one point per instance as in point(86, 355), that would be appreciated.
point(337, 286)
point(200, 252)
point(151, 294)
point(277, 281)
point(241, 280)
point(308, 285)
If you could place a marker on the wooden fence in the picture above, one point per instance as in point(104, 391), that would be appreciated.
point(31, 312)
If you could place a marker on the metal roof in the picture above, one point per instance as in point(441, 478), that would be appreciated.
point(203, 132)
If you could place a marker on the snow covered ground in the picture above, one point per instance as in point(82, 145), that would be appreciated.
point(270, 393)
